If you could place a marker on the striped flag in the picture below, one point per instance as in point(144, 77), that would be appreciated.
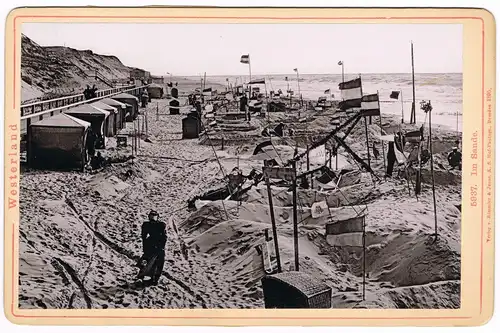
point(346, 232)
point(261, 81)
point(207, 91)
point(351, 93)
point(370, 105)
point(245, 59)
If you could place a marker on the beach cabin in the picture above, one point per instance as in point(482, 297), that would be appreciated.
point(295, 290)
point(111, 126)
point(191, 126)
point(58, 142)
point(122, 110)
point(96, 117)
point(155, 90)
point(132, 100)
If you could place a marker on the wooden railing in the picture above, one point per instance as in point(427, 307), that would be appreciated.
point(40, 110)
point(35, 109)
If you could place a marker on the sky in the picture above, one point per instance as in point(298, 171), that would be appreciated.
point(192, 49)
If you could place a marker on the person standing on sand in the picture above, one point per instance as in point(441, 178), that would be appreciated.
point(391, 159)
point(144, 98)
point(154, 238)
point(243, 105)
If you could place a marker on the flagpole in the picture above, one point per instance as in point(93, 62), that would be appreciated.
point(402, 108)
point(381, 132)
point(298, 83)
point(295, 226)
point(250, 71)
point(412, 116)
point(367, 143)
point(432, 171)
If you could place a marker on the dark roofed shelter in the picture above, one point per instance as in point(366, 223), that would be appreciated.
point(295, 290)
point(122, 110)
point(129, 99)
point(58, 142)
point(111, 125)
point(95, 117)
point(155, 90)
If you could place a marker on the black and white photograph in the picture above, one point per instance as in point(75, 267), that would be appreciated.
point(240, 166)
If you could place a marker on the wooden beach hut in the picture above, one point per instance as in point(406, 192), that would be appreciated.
point(111, 126)
point(129, 99)
point(155, 90)
point(122, 110)
point(58, 142)
point(95, 116)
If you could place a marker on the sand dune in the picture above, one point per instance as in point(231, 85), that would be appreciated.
point(80, 233)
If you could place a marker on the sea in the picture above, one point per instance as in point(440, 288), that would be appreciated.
point(443, 90)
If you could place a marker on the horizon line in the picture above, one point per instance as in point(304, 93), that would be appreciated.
point(293, 74)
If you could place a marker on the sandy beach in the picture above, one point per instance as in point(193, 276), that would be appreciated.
point(80, 232)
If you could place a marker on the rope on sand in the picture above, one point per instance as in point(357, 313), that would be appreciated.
point(173, 158)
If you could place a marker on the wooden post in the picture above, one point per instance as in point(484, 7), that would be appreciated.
point(222, 148)
point(412, 116)
point(307, 159)
point(138, 131)
point(133, 139)
point(432, 173)
point(295, 222)
point(364, 258)
point(402, 108)
point(331, 155)
point(273, 223)
point(157, 112)
point(367, 143)
point(381, 132)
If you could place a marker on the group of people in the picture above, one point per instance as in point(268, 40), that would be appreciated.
point(454, 157)
point(97, 161)
point(90, 93)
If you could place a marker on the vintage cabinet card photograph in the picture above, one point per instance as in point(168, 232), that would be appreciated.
point(249, 166)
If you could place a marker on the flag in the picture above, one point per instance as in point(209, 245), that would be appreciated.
point(317, 155)
point(346, 232)
point(295, 69)
point(262, 81)
point(370, 105)
point(319, 209)
point(207, 91)
point(413, 136)
point(327, 91)
point(394, 95)
point(245, 59)
point(267, 153)
point(327, 176)
point(351, 93)
point(340, 63)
